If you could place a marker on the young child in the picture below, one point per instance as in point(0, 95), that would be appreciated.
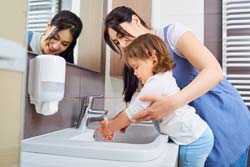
point(150, 60)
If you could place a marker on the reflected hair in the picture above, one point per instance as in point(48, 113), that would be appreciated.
point(67, 20)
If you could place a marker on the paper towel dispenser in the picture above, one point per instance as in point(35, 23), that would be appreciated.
point(46, 83)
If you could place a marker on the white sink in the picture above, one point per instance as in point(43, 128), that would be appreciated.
point(140, 143)
point(87, 136)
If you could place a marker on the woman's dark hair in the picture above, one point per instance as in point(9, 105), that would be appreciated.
point(67, 20)
point(130, 83)
point(113, 20)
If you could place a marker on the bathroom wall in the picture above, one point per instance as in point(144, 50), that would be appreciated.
point(190, 13)
point(79, 83)
point(213, 27)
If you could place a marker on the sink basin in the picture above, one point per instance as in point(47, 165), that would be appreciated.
point(133, 135)
point(139, 143)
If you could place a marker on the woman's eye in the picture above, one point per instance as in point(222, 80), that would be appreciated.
point(55, 38)
point(119, 35)
point(116, 42)
point(65, 45)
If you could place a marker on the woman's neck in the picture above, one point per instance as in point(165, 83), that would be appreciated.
point(149, 31)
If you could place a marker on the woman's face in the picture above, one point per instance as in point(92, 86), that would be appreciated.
point(134, 28)
point(58, 43)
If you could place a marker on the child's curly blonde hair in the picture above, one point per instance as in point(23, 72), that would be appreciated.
point(145, 46)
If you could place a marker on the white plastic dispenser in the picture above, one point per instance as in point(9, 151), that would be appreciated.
point(46, 83)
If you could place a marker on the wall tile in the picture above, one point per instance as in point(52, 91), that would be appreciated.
point(72, 83)
point(36, 124)
point(213, 27)
point(216, 48)
point(213, 6)
point(92, 84)
point(213, 30)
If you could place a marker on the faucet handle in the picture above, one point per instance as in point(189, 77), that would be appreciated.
point(96, 97)
point(92, 98)
point(98, 112)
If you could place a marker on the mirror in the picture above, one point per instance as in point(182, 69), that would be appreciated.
point(88, 52)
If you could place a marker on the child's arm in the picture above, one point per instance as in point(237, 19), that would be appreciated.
point(119, 122)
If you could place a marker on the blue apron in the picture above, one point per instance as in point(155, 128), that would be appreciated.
point(224, 111)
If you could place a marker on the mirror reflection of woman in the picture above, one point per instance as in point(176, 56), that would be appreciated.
point(200, 77)
point(59, 37)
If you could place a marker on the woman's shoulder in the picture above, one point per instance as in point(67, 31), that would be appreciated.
point(173, 27)
point(175, 31)
point(171, 33)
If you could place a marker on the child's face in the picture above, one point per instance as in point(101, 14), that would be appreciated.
point(143, 69)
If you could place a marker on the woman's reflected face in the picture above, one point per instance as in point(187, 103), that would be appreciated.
point(57, 42)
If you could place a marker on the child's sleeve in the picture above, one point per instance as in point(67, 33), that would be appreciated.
point(154, 87)
point(162, 85)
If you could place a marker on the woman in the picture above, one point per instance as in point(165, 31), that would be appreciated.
point(59, 38)
point(203, 86)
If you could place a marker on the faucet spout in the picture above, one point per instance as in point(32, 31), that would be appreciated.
point(88, 114)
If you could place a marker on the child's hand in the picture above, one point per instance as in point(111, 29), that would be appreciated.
point(105, 131)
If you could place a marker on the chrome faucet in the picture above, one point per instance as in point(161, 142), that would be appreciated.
point(87, 112)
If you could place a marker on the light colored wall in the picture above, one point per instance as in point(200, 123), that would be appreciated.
point(113, 89)
point(66, 4)
point(13, 20)
point(10, 117)
point(188, 12)
point(90, 41)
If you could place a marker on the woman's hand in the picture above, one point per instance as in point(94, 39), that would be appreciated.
point(160, 107)
point(106, 132)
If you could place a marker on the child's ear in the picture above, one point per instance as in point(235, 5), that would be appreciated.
point(154, 58)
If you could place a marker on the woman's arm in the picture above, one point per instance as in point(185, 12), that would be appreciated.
point(210, 74)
